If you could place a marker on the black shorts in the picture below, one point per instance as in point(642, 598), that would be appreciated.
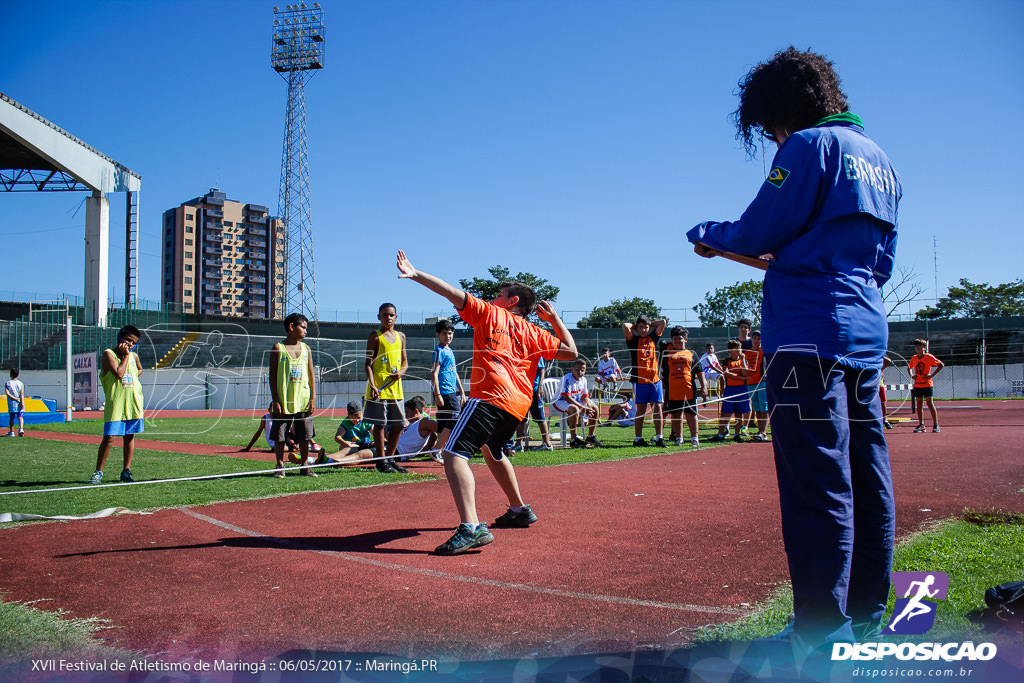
point(922, 392)
point(448, 411)
point(299, 424)
point(481, 424)
point(688, 406)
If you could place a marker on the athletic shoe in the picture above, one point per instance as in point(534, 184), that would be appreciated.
point(384, 467)
point(96, 477)
point(576, 442)
point(695, 442)
point(936, 429)
point(678, 441)
point(523, 518)
point(888, 425)
point(465, 539)
point(759, 437)
point(437, 457)
point(543, 447)
point(9, 434)
point(739, 438)
point(21, 433)
point(659, 443)
point(718, 437)
point(592, 441)
point(398, 468)
point(919, 429)
point(279, 475)
point(126, 476)
point(639, 442)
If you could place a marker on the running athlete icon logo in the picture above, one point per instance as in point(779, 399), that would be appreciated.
point(777, 176)
point(914, 612)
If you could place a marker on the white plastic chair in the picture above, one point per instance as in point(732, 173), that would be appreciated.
point(550, 387)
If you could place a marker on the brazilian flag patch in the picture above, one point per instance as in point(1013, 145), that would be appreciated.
point(777, 176)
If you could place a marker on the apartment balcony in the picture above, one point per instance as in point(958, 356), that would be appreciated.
point(260, 230)
point(257, 242)
point(213, 237)
point(210, 249)
point(215, 262)
point(211, 225)
point(218, 213)
point(256, 278)
point(211, 300)
point(211, 286)
point(253, 268)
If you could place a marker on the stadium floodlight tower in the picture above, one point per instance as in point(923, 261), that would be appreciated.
point(297, 52)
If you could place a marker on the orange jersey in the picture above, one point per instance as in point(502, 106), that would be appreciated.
point(644, 354)
point(678, 366)
point(734, 365)
point(755, 361)
point(506, 349)
point(921, 367)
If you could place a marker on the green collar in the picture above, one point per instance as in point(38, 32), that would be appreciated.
point(845, 117)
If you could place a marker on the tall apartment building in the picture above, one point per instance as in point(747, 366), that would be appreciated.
point(222, 257)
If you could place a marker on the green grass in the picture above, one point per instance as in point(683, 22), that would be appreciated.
point(35, 464)
point(986, 551)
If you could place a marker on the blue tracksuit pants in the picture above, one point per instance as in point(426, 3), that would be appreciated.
point(835, 491)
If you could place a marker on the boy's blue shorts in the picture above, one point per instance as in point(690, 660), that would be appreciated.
point(735, 401)
point(123, 427)
point(647, 393)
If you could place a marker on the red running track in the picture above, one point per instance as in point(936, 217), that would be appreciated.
point(626, 555)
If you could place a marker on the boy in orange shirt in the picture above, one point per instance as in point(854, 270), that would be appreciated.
point(920, 368)
point(506, 349)
point(735, 400)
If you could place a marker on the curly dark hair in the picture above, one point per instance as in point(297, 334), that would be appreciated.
point(793, 90)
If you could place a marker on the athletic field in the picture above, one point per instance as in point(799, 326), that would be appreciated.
point(628, 556)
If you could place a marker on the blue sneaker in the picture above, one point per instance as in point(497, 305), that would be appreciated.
point(465, 539)
point(718, 437)
point(126, 476)
point(96, 477)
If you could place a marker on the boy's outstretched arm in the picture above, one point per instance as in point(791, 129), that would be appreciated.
point(434, 284)
point(567, 348)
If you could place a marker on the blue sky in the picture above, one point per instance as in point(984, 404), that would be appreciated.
point(574, 139)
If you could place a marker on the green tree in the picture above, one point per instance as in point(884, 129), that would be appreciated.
point(487, 289)
point(971, 300)
point(726, 305)
point(620, 311)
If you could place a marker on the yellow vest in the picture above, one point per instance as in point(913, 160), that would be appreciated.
point(292, 380)
point(123, 396)
point(387, 361)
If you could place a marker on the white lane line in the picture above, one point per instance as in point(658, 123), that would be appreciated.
point(632, 602)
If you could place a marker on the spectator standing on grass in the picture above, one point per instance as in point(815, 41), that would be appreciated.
point(755, 385)
point(923, 367)
point(15, 390)
point(123, 406)
point(681, 370)
point(444, 379)
point(506, 348)
point(292, 393)
point(827, 212)
point(574, 402)
point(735, 400)
point(642, 341)
point(386, 364)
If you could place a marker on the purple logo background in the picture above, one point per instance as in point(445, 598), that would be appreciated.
point(914, 610)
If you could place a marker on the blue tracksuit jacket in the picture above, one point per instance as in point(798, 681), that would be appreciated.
point(827, 212)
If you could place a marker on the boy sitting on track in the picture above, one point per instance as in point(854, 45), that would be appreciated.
point(505, 352)
point(574, 402)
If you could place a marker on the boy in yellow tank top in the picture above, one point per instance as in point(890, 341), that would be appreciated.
point(386, 363)
point(293, 393)
point(122, 408)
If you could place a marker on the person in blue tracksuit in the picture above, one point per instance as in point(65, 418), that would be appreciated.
point(824, 223)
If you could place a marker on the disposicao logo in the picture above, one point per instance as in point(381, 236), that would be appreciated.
point(914, 612)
